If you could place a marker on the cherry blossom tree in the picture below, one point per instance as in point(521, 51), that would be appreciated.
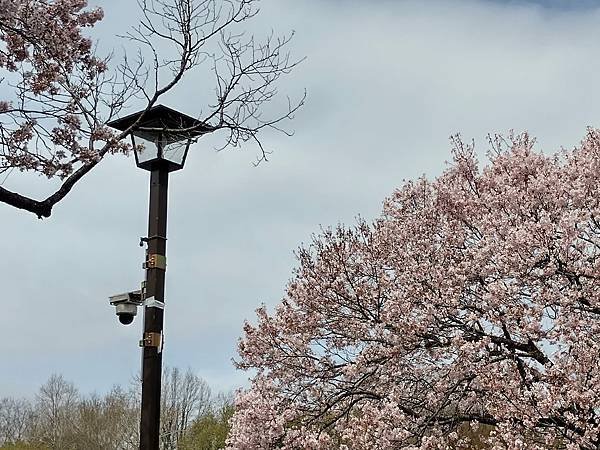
point(469, 311)
point(57, 94)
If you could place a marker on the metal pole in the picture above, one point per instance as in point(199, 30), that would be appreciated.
point(153, 312)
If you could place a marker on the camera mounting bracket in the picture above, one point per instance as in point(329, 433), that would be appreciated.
point(153, 303)
point(155, 261)
point(151, 339)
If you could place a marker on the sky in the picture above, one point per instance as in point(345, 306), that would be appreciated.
point(556, 4)
point(388, 82)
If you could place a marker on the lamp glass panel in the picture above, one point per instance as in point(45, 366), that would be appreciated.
point(149, 152)
point(174, 151)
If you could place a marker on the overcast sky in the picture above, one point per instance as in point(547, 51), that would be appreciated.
point(388, 82)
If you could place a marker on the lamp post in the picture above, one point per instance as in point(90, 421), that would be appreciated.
point(161, 138)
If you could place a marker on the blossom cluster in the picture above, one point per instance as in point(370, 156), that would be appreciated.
point(467, 315)
point(52, 121)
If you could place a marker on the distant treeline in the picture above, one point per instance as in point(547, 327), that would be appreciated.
point(60, 418)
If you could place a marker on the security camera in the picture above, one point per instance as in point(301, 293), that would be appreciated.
point(126, 305)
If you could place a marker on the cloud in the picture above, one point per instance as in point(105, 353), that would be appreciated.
point(388, 82)
point(561, 5)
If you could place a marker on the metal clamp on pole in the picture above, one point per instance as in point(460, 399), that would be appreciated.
point(155, 261)
point(151, 339)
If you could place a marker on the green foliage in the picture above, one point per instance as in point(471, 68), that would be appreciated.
point(23, 446)
point(476, 437)
point(209, 431)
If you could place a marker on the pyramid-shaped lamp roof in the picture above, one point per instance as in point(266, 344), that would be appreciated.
point(162, 125)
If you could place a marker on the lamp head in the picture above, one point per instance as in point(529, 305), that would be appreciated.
point(161, 136)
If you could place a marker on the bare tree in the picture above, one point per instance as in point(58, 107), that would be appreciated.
point(56, 405)
point(64, 94)
point(185, 396)
point(108, 422)
point(16, 420)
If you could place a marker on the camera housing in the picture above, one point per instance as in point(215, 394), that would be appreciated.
point(126, 305)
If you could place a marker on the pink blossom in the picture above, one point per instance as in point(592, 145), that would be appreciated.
point(48, 54)
point(469, 309)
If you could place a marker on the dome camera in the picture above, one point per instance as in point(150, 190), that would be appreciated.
point(126, 305)
point(126, 319)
